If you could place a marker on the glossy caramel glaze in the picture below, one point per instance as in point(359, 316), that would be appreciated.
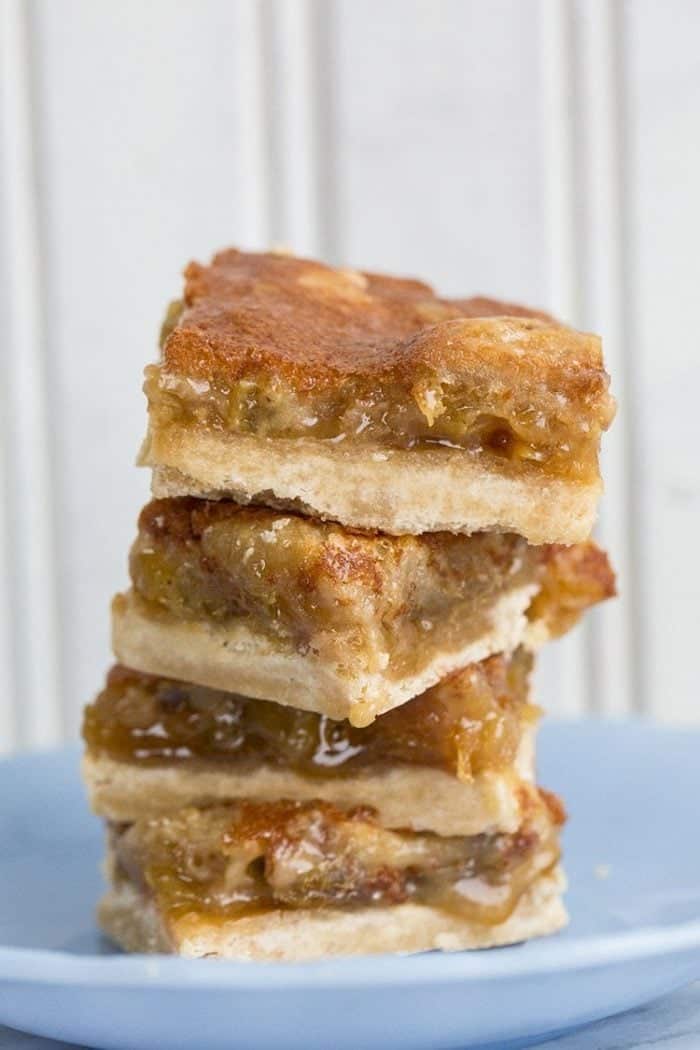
point(318, 588)
point(574, 579)
point(230, 860)
point(472, 721)
point(323, 589)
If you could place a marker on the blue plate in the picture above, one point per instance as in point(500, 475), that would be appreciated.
point(633, 859)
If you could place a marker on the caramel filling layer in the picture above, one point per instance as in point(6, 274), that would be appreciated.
point(471, 722)
point(388, 604)
point(381, 602)
point(228, 861)
point(559, 441)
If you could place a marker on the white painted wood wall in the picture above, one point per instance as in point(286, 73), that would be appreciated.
point(543, 150)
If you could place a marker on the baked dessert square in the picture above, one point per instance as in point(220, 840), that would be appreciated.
point(372, 401)
point(280, 607)
point(290, 880)
point(451, 761)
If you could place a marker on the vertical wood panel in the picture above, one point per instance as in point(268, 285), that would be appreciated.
point(438, 137)
point(545, 150)
point(663, 91)
point(151, 134)
point(325, 30)
point(292, 134)
point(457, 163)
point(8, 734)
point(584, 171)
point(564, 672)
point(234, 137)
point(29, 554)
point(8, 700)
point(617, 679)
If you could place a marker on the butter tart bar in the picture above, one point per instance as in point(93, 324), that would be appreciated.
point(309, 614)
point(451, 761)
point(290, 880)
point(371, 401)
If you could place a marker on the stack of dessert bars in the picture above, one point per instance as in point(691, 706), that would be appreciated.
point(371, 507)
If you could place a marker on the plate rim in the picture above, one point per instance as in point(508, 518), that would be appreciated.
point(46, 966)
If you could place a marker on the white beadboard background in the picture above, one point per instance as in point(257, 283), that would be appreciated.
point(542, 150)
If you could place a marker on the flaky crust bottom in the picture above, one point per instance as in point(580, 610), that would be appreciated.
point(240, 660)
point(394, 490)
point(403, 796)
point(133, 922)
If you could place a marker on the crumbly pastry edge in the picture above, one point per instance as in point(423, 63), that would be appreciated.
point(397, 491)
point(403, 796)
point(132, 920)
point(239, 660)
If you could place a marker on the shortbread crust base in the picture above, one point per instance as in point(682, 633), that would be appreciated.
point(133, 921)
point(397, 491)
point(240, 660)
point(414, 797)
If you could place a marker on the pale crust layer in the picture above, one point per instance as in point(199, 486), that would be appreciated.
point(396, 491)
point(418, 798)
point(133, 922)
point(240, 660)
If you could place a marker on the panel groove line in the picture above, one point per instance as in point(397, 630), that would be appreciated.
point(292, 147)
point(175, 172)
point(608, 307)
point(635, 581)
point(32, 535)
point(324, 46)
point(253, 96)
point(272, 88)
point(660, 103)
point(8, 722)
point(8, 726)
point(571, 678)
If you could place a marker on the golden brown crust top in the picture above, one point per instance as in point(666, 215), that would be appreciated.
point(246, 313)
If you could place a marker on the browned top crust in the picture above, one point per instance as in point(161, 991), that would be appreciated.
point(247, 312)
point(273, 348)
